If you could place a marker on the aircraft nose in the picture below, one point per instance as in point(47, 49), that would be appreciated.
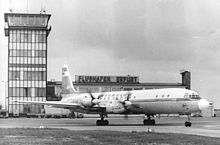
point(203, 104)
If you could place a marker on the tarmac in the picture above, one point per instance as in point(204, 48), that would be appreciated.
point(200, 126)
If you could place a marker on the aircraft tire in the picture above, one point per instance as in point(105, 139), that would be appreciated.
point(98, 122)
point(102, 122)
point(188, 124)
point(153, 122)
point(149, 122)
point(106, 122)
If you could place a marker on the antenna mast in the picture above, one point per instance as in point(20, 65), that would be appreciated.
point(10, 7)
point(42, 9)
point(27, 6)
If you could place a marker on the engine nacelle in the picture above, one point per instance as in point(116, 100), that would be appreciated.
point(96, 101)
point(115, 107)
point(86, 100)
point(127, 103)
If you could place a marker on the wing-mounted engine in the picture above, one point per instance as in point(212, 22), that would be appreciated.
point(112, 106)
point(88, 100)
point(115, 107)
point(127, 101)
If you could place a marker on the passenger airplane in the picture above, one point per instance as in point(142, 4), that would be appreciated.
point(148, 102)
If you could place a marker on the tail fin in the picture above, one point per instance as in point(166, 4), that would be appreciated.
point(67, 85)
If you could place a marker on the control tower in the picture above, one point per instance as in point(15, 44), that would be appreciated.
point(27, 60)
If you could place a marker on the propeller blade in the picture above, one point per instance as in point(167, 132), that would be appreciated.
point(126, 104)
point(97, 100)
point(128, 96)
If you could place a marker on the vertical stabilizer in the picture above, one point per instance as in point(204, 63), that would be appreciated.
point(67, 85)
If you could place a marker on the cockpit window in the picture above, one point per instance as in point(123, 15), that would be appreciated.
point(194, 96)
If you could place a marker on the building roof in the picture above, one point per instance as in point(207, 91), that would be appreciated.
point(27, 21)
point(27, 14)
point(120, 84)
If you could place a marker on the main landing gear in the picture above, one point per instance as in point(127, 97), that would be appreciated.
point(102, 122)
point(188, 123)
point(149, 121)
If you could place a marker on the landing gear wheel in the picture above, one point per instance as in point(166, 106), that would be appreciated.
point(101, 122)
point(188, 124)
point(153, 122)
point(106, 122)
point(98, 122)
point(149, 122)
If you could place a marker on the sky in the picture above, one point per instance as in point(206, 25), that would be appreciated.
point(153, 39)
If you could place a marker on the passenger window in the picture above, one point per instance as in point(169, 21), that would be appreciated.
point(168, 96)
point(186, 95)
point(162, 96)
point(156, 96)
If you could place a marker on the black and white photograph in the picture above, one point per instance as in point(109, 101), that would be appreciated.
point(122, 72)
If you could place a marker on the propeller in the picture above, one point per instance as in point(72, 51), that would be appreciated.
point(126, 104)
point(95, 101)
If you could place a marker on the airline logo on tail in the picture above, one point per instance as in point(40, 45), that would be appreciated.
point(67, 85)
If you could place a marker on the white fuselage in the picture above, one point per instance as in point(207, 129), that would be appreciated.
point(155, 101)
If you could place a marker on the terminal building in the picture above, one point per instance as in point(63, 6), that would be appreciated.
point(27, 60)
point(92, 84)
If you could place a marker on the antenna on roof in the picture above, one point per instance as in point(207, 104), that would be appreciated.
point(42, 9)
point(10, 7)
point(27, 6)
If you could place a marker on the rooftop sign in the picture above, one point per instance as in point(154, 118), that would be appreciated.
point(107, 79)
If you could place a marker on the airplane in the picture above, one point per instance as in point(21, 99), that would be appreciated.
point(148, 102)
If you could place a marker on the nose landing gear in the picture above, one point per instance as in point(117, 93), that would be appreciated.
point(188, 123)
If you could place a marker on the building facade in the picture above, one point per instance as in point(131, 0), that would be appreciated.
point(111, 83)
point(27, 60)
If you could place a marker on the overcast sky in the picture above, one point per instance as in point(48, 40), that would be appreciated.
point(154, 39)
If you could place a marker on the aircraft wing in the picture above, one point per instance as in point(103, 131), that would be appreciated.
point(57, 104)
